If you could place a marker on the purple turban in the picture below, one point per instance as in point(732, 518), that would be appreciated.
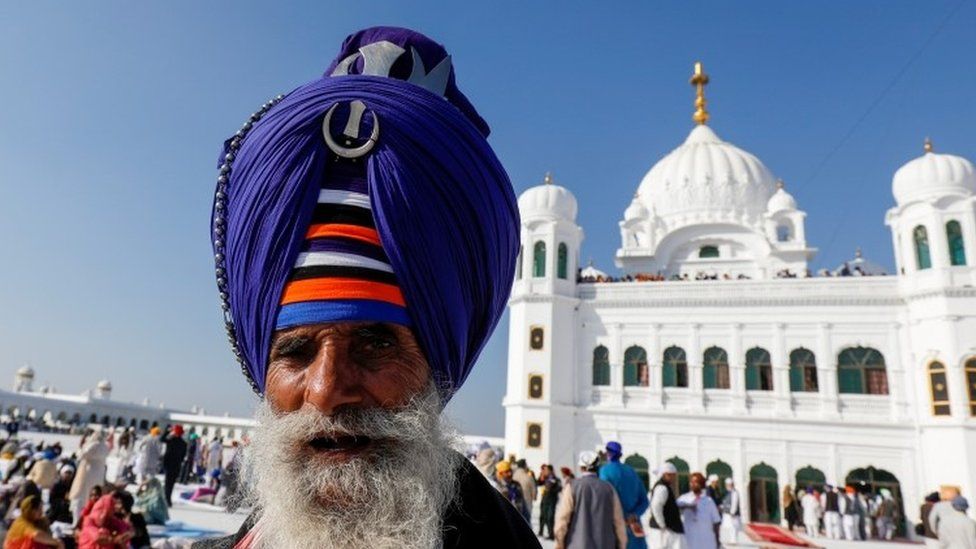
point(441, 202)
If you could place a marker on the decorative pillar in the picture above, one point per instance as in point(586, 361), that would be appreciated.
point(781, 370)
point(737, 371)
point(616, 364)
point(827, 374)
point(896, 376)
point(654, 364)
point(696, 380)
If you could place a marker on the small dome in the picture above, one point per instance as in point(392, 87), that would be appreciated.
point(591, 272)
point(707, 174)
point(25, 371)
point(859, 267)
point(548, 201)
point(781, 200)
point(104, 385)
point(636, 210)
point(933, 175)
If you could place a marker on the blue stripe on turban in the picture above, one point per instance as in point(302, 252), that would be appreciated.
point(442, 203)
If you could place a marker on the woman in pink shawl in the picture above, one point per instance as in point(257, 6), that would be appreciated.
point(102, 528)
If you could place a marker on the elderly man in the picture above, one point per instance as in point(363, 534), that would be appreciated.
point(365, 238)
point(700, 515)
point(731, 514)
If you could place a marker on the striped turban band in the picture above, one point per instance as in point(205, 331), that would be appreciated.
point(342, 272)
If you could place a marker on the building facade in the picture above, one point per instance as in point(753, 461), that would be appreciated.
point(45, 408)
point(718, 350)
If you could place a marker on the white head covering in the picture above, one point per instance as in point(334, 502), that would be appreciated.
point(588, 459)
point(728, 481)
point(666, 468)
point(712, 478)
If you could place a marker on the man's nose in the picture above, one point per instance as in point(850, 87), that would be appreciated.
point(332, 381)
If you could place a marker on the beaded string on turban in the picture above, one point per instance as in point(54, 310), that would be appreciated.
point(439, 203)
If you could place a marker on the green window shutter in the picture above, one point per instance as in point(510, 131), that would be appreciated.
point(957, 250)
point(539, 259)
point(850, 381)
point(796, 379)
point(562, 261)
point(752, 378)
point(670, 375)
point(710, 375)
point(922, 256)
point(630, 374)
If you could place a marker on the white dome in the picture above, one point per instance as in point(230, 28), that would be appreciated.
point(592, 272)
point(104, 385)
point(548, 201)
point(636, 210)
point(781, 200)
point(25, 371)
point(706, 173)
point(933, 175)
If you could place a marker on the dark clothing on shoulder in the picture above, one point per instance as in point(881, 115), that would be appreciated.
point(479, 517)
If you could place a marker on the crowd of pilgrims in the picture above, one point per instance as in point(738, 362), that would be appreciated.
point(50, 498)
point(845, 271)
point(600, 505)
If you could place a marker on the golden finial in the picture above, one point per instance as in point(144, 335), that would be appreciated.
point(699, 80)
point(780, 184)
point(547, 179)
point(928, 145)
point(857, 253)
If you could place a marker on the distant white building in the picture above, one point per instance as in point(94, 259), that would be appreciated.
point(46, 408)
point(761, 372)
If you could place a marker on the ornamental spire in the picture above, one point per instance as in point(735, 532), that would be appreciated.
point(547, 180)
point(928, 145)
point(699, 80)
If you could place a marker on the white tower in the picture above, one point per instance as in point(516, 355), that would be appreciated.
point(541, 382)
point(933, 227)
point(24, 379)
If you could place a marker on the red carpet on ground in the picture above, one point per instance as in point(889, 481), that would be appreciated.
point(775, 534)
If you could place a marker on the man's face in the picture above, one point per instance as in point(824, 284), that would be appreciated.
point(696, 484)
point(350, 448)
point(505, 475)
point(328, 367)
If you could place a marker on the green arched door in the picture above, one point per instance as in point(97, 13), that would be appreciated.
point(870, 481)
point(763, 494)
point(639, 463)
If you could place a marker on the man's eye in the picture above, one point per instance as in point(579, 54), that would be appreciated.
point(378, 344)
point(293, 347)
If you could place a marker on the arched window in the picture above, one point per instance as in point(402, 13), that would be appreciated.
point(861, 370)
point(708, 252)
point(539, 259)
point(803, 371)
point(682, 481)
point(641, 467)
point(784, 231)
point(601, 366)
point(562, 261)
point(810, 477)
point(957, 252)
point(759, 370)
point(635, 367)
point(922, 256)
point(938, 388)
point(722, 470)
point(675, 368)
point(537, 338)
point(971, 384)
point(715, 362)
point(518, 263)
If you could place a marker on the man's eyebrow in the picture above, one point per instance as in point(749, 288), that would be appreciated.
point(289, 342)
point(376, 329)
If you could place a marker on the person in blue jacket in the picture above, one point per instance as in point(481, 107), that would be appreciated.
point(630, 490)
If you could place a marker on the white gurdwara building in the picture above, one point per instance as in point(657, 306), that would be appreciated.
point(759, 370)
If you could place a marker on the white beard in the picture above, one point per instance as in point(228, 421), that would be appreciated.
point(391, 495)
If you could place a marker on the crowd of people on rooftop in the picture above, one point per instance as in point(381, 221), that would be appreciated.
point(844, 271)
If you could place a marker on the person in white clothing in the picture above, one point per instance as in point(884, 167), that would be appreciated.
point(699, 515)
point(811, 512)
point(667, 529)
point(852, 513)
point(731, 514)
point(830, 503)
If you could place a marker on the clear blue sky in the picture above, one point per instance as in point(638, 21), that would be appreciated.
point(111, 115)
